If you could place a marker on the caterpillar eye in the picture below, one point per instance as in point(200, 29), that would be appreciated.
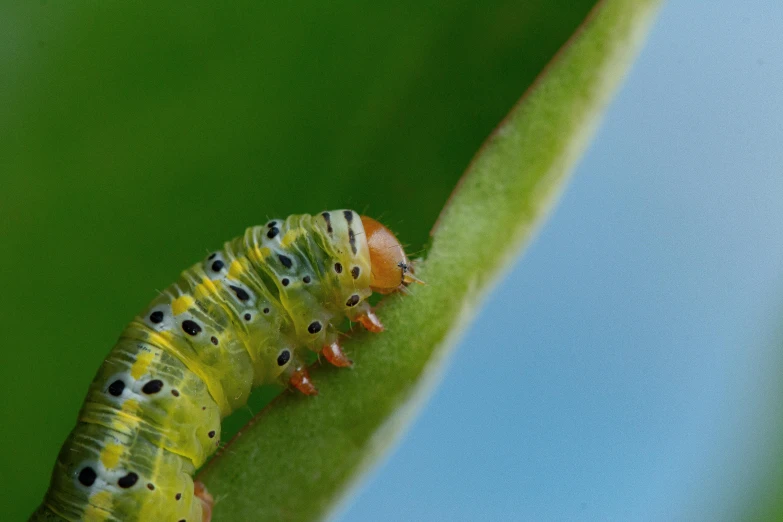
point(283, 358)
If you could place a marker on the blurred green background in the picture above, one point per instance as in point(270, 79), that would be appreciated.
point(135, 138)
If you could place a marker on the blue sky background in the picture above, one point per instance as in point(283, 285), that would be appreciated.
point(626, 368)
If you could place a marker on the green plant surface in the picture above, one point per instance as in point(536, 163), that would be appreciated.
point(296, 460)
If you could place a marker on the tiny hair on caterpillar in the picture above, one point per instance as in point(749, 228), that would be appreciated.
point(242, 317)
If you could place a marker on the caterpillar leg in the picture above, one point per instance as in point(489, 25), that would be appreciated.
point(201, 493)
point(369, 320)
point(300, 380)
point(333, 353)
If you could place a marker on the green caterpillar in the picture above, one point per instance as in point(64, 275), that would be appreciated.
point(239, 319)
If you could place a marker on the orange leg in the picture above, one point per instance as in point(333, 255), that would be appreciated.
point(201, 493)
point(301, 381)
point(334, 354)
point(370, 321)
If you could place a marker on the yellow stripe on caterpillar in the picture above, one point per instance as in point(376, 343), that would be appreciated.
point(206, 288)
point(139, 367)
point(110, 455)
point(181, 304)
point(260, 254)
point(235, 270)
point(290, 237)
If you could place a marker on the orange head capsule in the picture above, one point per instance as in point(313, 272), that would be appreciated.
point(390, 266)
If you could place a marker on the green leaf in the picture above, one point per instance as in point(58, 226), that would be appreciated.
point(299, 456)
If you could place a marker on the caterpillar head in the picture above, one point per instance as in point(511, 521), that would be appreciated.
point(391, 269)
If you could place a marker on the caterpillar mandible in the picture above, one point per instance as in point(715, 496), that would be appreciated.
point(240, 318)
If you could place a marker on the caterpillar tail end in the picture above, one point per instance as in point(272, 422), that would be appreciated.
point(207, 502)
point(300, 380)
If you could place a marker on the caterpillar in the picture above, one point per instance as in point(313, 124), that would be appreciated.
point(242, 317)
